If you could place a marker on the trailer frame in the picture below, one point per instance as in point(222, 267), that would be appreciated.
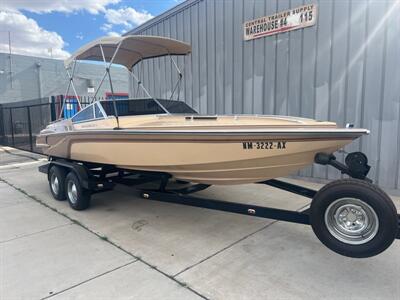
point(100, 178)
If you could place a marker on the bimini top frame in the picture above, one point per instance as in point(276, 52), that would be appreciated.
point(131, 49)
point(126, 51)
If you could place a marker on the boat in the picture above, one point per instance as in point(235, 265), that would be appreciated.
point(167, 143)
point(168, 136)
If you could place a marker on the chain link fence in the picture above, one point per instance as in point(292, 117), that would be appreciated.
point(21, 122)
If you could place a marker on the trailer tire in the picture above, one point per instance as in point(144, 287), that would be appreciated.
point(77, 196)
point(354, 218)
point(56, 178)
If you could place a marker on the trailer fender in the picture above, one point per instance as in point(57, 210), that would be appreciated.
point(80, 170)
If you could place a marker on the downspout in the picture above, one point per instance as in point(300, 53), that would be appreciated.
point(40, 89)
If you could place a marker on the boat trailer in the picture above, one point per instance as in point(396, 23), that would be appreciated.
point(77, 181)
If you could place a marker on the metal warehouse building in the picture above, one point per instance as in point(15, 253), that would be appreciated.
point(345, 68)
point(29, 78)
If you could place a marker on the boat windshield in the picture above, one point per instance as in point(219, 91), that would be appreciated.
point(135, 107)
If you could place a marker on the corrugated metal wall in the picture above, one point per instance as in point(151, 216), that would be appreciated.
point(344, 69)
point(36, 77)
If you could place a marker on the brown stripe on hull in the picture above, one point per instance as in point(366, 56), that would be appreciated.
point(214, 139)
point(214, 135)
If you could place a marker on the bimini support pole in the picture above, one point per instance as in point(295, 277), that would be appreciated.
point(98, 87)
point(70, 83)
point(73, 87)
point(147, 92)
point(109, 78)
point(140, 71)
point(178, 83)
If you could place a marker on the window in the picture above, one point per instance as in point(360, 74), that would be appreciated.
point(97, 112)
point(84, 115)
point(177, 107)
point(132, 107)
point(108, 107)
point(135, 107)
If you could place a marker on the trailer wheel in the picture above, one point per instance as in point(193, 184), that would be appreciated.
point(354, 218)
point(57, 182)
point(78, 197)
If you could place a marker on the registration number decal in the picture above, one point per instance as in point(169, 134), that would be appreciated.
point(279, 145)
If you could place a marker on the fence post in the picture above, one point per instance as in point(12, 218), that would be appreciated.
point(12, 128)
point(53, 108)
point(30, 128)
point(2, 133)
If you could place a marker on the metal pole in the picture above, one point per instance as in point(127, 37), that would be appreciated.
point(39, 72)
point(173, 91)
point(175, 64)
point(148, 94)
point(113, 98)
point(30, 128)
point(12, 128)
point(100, 84)
point(66, 92)
point(178, 83)
point(133, 84)
point(70, 83)
point(73, 85)
point(2, 124)
point(104, 76)
point(9, 48)
point(109, 78)
point(139, 64)
point(53, 108)
point(38, 66)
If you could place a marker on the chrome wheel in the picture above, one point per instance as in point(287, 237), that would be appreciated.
point(72, 192)
point(351, 221)
point(55, 184)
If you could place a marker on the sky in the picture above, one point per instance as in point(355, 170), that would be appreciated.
point(56, 28)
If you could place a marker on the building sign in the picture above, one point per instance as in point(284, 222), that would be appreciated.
point(284, 21)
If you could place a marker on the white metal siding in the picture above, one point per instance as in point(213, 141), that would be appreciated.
point(344, 69)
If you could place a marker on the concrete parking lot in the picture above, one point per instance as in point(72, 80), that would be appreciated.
point(126, 247)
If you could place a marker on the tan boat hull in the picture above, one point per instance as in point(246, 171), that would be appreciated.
point(205, 159)
point(211, 150)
